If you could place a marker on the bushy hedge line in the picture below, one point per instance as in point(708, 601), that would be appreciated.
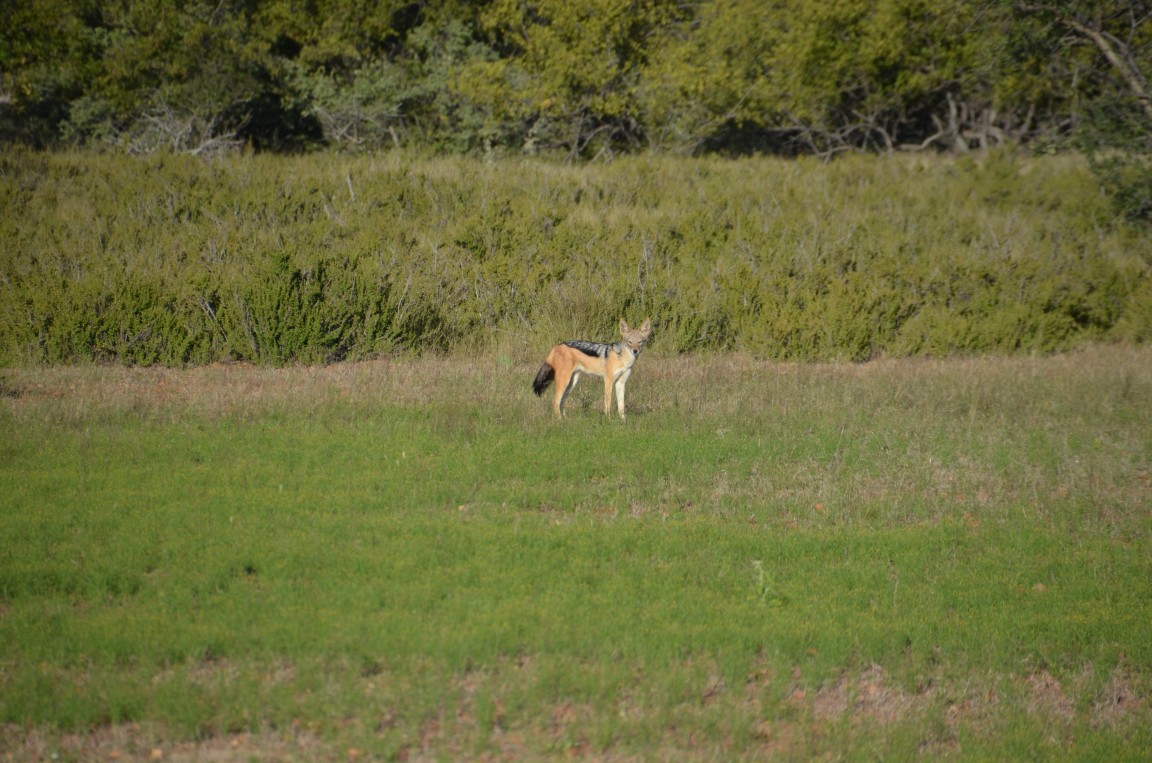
point(173, 260)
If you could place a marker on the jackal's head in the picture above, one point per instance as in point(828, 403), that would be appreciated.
point(635, 339)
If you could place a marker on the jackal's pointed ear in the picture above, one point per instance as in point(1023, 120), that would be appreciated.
point(646, 327)
point(624, 326)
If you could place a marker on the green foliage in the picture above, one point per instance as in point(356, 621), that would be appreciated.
point(1113, 125)
point(1119, 149)
point(174, 261)
point(580, 79)
point(573, 67)
point(165, 76)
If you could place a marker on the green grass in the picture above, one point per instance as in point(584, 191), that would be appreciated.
point(405, 559)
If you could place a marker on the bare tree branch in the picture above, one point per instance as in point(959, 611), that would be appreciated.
point(1118, 54)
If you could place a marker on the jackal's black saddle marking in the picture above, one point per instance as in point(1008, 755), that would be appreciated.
point(594, 349)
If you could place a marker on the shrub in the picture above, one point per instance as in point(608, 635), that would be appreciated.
point(178, 261)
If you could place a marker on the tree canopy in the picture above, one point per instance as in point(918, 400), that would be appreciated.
point(580, 78)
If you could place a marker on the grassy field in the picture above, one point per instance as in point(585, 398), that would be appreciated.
point(410, 560)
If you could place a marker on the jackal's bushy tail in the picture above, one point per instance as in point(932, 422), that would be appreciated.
point(544, 377)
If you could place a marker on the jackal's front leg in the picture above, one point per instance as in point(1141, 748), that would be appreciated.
point(620, 393)
point(607, 395)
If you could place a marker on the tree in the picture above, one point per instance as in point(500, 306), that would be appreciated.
point(38, 72)
point(826, 77)
point(705, 81)
point(583, 77)
point(1118, 29)
point(568, 71)
point(1113, 40)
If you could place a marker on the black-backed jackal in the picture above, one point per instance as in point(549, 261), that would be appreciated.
point(567, 360)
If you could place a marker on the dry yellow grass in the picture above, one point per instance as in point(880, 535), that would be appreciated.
point(704, 385)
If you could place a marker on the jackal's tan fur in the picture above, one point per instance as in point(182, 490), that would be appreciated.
point(567, 360)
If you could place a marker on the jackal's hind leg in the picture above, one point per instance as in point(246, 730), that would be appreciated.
point(558, 400)
point(562, 391)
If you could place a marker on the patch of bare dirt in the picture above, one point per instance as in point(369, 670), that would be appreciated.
point(134, 742)
point(1049, 698)
point(869, 697)
point(1120, 701)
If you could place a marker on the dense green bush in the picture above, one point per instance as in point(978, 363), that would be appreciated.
point(174, 260)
